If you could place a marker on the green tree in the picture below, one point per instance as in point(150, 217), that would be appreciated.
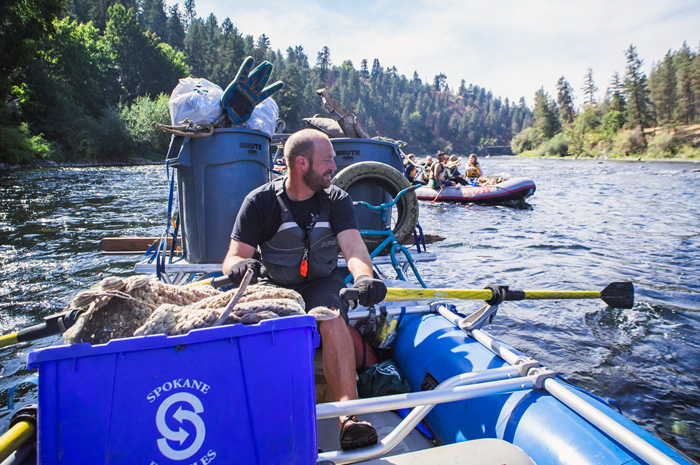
point(440, 82)
point(636, 91)
point(153, 17)
point(687, 93)
point(323, 63)
point(175, 30)
point(589, 89)
point(565, 100)
point(615, 91)
point(144, 64)
point(190, 14)
point(21, 24)
point(262, 45)
point(662, 89)
point(545, 118)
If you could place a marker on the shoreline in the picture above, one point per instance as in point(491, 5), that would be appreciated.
point(96, 164)
point(144, 162)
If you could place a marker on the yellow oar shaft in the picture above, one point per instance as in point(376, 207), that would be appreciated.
point(203, 282)
point(394, 293)
point(481, 294)
point(8, 340)
point(15, 437)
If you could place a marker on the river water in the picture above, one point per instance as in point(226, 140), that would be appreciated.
point(589, 223)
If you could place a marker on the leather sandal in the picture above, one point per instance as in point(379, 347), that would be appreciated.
point(355, 434)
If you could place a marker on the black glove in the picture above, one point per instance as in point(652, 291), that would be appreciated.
point(238, 270)
point(372, 291)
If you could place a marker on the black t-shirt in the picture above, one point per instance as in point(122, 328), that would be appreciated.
point(260, 215)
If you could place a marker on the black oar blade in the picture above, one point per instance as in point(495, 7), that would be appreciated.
point(618, 295)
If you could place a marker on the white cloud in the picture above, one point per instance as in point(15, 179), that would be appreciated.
point(511, 47)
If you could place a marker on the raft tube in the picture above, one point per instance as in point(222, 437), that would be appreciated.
point(506, 191)
point(430, 349)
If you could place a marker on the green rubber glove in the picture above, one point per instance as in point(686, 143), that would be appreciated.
point(248, 90)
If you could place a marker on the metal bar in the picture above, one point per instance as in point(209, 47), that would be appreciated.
point(394, 311)
point(397, 401)
point(612, 428)
point(412, 419)
point(507, 353)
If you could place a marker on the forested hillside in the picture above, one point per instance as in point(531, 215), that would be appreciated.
point(91, 73)
point(634, 119)
point(83, 80)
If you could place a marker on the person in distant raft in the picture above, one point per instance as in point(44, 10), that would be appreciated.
point(439, 178)
point(452, 171)
point(473, 169)
point(410, 168)
point(300, 223)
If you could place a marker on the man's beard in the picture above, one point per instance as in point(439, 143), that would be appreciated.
point(316, 181)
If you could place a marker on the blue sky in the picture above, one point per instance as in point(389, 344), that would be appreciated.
point(511, 47)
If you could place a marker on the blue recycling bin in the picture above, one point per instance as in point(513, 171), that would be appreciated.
point(228, 394)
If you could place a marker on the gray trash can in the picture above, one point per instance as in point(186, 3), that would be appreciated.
point(350, 151)
point(214, 175)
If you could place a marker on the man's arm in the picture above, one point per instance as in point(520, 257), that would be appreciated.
point(237, 251)
point(355, 253)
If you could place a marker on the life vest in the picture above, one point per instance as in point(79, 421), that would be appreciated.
point(410, 169)
point(283, 255)
point(473, 171)
point(427, 171)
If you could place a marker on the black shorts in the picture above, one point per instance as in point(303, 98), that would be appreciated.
point(323, 292)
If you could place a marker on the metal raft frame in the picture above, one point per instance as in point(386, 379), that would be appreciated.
point(524, 374)
point(182, 272)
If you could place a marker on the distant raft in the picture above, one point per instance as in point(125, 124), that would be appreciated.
point(505, 191)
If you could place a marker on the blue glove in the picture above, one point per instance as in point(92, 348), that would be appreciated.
point(248, 90)
point(238, 270)
point(372, 291)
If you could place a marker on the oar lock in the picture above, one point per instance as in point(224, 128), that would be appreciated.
point(501, 293)
point(26, 413)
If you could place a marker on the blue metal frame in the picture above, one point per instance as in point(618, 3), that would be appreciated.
point(390, 238)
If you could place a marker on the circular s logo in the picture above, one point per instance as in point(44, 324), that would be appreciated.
point(181, 415)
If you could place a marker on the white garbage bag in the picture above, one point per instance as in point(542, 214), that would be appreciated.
point(197, 100)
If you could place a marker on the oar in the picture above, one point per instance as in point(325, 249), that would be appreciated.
point(438, 195)
point(54, 324)
point(616, 295)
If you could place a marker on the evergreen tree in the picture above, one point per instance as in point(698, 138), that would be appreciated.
point(153, 17)
point(565, 100)
point(545, 118)
point(175, 30)
point(589, 89)
point(636, 91)
point(377, 70)
point(364, 70)
point(440, 82)
point(144, 64)
point(21, 24)
point(262, 45)
point(323, 63)
point(617, 98)
point(190, 14)
point(686, 86)
point(662, 89)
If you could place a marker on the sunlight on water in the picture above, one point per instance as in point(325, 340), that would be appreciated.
point(589, 223)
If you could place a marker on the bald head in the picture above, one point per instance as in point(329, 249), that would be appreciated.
point(302, 143)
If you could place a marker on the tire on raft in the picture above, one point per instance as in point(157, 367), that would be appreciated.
point(392, 181)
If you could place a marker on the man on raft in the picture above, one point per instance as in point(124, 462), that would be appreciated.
point(298, 224)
